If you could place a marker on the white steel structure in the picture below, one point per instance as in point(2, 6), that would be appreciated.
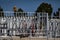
point(11, 25)
point(29, 26)
point(54, 28)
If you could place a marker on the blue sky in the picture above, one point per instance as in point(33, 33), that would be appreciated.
point(28, 5)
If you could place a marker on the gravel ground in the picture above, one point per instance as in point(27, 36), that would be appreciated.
point(26, 38)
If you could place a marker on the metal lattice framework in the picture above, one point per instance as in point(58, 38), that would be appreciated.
point(30, 26)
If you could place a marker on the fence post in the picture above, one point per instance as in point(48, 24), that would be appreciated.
point(47, 26)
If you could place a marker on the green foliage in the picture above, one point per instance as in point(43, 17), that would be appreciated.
point(1, 12)
point(20, 13)
point(56, 15)
point(45, 7)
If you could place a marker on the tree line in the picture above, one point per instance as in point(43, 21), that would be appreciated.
point(43, 7)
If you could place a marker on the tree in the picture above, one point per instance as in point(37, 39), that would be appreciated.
point(15, 10)
point(21, 12)
point(18, 12)
point(45, 7)
point(57, 14)
point(1, 12)
point(54, 15)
